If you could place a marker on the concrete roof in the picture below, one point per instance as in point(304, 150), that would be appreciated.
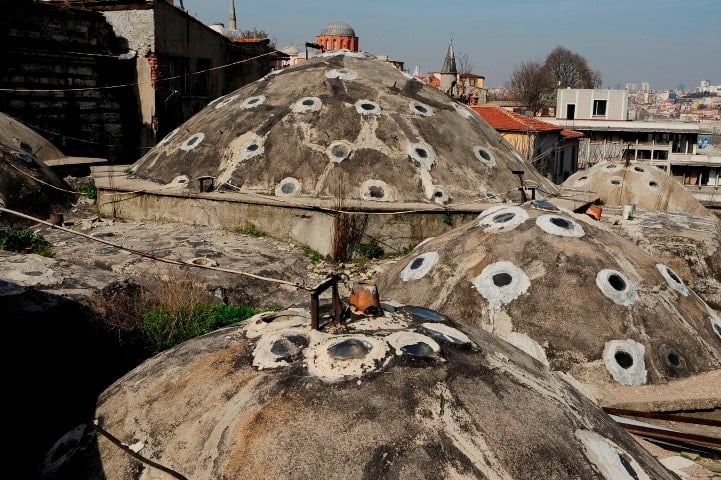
point(342, 124)
point(636, 183)
point(568, 289)
point(406, 395)
point(626, 125)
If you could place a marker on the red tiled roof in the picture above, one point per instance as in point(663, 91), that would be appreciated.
point(430, 80)
point(566, 133)
point(507, 121)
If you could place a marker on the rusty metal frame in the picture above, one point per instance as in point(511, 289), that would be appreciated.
point(330, 282)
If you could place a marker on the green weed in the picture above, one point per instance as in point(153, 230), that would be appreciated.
point(252, 230)
point(314, 255)
point(164, 327)
point(22, 239)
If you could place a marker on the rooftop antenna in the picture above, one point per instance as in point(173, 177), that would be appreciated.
point(231, 21)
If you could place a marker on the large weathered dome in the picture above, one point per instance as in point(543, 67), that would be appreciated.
point(338, 28)
point(342, 125)
point(567, 289)
point(636, 183)
point(27, 184)
point(406, 395)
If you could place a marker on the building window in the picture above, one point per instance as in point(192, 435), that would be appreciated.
point(599, 107)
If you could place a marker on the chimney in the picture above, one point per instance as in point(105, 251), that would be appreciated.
point(231, 22)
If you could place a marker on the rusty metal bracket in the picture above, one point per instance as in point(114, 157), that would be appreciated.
point(523, 186)
point(330, 282)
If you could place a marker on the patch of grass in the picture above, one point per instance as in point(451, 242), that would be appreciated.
point(403, 251)
point(167, 326)
point(689, 456)
point(166, 309)
point(370, 250)
point(88, 190)
point(23, 240)
point(314, 255)
point(447, 219)
point(252, 231)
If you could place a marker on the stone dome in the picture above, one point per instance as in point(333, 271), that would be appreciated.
point(567, 289)
point(406, 395)
point(637, 183)
point(342, 124)
point(27, 184)
point(291, 50)
point(338, 28)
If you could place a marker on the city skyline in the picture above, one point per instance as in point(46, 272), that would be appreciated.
point(660, 42)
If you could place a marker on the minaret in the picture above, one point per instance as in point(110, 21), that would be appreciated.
point(449, 72)
point(231, 22)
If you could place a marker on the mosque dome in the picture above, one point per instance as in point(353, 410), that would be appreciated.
point(406, 395)
point(291, 50)
point(567, 289)
point(338, 28)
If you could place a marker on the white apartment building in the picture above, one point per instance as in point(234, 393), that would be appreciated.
point(602, 115)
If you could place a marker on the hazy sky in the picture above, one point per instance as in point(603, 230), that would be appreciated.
point(664, 42)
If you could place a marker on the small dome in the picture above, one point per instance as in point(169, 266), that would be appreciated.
point(291, 50)
point(338, 28)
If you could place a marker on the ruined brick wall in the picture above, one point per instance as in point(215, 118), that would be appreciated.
point(52, 62)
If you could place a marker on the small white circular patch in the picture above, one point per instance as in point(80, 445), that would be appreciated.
point(580, 180)
point(611, 167)
point(505, 219)
point(611, 460)
point(169, 137)
point(181, 181)
point(376, 191)
point(461, 110)
point(343, 357)
point(203, 262)
point(251, 148)
point(423, 154)
point(485, 156)
point(421, 109)
point(673, 280)
point(307, 104)
point(275, 349)
point(341, 74)
point(225, 101)
point(616, 286)
point(559, 225)
point(338, 151)
point(624, 360)
point(252, 102)
point(367, 107)
point(288, 187)
point(500, 283)
point(440, 195)
point(615, 181)
point(419, 266)
point(192, 142)
point(400, 341)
